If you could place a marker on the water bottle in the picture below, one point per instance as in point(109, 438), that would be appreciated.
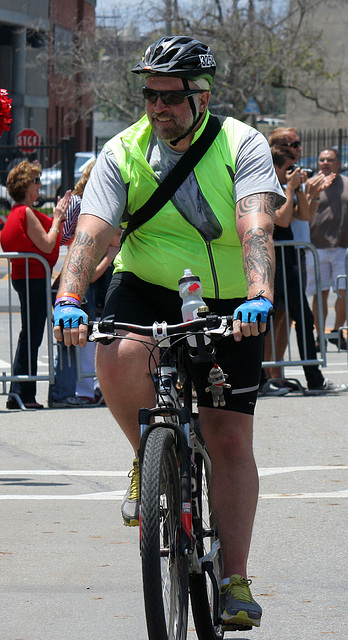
point(190, 290)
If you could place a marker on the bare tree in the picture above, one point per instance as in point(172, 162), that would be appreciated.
point(260, 51)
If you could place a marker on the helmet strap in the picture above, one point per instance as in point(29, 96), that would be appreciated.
point(194, 113)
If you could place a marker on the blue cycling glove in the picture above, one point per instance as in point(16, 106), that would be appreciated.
point(67, 316)
point(257, 309)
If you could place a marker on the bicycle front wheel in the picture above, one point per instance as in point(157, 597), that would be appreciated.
point(164, 565)
point(204, 586)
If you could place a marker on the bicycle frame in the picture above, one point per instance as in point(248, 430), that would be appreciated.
point(178, 418)
point(171, 444)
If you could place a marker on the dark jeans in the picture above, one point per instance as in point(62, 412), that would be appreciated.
point(312, 373)
point(65, 363)
point(31, 333)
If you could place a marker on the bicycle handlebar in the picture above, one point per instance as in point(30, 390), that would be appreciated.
point(107, 329)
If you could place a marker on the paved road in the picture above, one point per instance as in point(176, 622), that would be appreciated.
point(71, 571)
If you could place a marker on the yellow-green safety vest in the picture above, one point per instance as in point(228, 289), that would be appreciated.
point(160, 249)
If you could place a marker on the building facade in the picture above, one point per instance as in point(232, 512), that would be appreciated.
point(330, 21)
point(27, 30)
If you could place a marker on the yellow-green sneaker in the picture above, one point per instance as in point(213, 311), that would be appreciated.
point(238, 607)
point(130, 503)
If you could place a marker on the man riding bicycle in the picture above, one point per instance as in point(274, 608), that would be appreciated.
point(219, 224)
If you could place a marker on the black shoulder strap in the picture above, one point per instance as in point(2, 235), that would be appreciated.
point(174, 179)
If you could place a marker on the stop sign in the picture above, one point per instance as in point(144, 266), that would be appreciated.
point(28, 139)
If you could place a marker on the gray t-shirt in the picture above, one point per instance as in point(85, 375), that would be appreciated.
point(105, 194)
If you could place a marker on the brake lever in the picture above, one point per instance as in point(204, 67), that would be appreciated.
point(98, 336)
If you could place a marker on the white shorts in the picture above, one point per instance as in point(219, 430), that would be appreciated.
point(332, 264)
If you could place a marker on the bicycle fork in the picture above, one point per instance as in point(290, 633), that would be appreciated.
point(181, 430)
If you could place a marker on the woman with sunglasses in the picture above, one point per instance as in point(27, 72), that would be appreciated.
point(28, 230)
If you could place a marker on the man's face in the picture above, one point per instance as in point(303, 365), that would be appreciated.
point(281, 171)
point(291, 138)
point(171, 121)
point(328, 163)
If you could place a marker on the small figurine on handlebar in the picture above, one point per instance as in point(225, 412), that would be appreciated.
point(217, 379)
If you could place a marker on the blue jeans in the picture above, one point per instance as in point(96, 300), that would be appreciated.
point(65, 363)
point(31, 332)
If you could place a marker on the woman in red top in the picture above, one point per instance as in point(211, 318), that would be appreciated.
point(30, 231)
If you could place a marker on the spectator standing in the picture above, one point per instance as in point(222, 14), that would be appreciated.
point(66, 390)
point(86, 393)
point(63, 389)
point(329, 234)
point(296, 206)
point(287, 138)
point(30, 231)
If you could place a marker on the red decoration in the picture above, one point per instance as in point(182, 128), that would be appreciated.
point(5, 111)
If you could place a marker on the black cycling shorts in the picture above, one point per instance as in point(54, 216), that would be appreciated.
point(130, 299)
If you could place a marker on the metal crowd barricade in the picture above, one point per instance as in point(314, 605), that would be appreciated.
point(342, 277)
point(80, 374)
point(6, 377)
point(73, 356)
point(292, 359)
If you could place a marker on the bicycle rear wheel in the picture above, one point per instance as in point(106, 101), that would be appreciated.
point(164, 565)
point(204, 587)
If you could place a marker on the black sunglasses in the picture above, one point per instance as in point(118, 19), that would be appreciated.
point(36, 180)
point(294, 145)
point(169, 97)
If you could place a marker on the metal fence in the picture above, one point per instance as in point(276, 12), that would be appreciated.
point(12, 320)
point(313, 141)
point(339, 286)
point(291, 357)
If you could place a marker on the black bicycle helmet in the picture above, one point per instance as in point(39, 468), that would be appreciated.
point(179, 56)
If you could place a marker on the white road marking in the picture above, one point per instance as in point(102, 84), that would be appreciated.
point(266, 471)
point(119, 494)
point(330, 494)
point(62, 472)
point(103, 495)
point(277, 470)
point(4, 364)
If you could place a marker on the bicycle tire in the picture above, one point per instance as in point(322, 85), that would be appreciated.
point(164, 565)
point(205, 529)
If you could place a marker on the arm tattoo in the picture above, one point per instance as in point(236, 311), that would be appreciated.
point(258, 203)
point(257, 258)
point(81, 263)
point(83, 239)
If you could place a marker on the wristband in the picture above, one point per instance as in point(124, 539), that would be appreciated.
point(66, 300)
point(54, 229)
point(70, 295)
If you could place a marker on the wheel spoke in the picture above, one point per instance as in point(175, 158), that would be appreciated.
point(165, 568)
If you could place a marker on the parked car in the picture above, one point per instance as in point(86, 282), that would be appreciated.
point(6, 201)
point(51, 178)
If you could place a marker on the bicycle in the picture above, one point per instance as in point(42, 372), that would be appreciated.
point(179, 542)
